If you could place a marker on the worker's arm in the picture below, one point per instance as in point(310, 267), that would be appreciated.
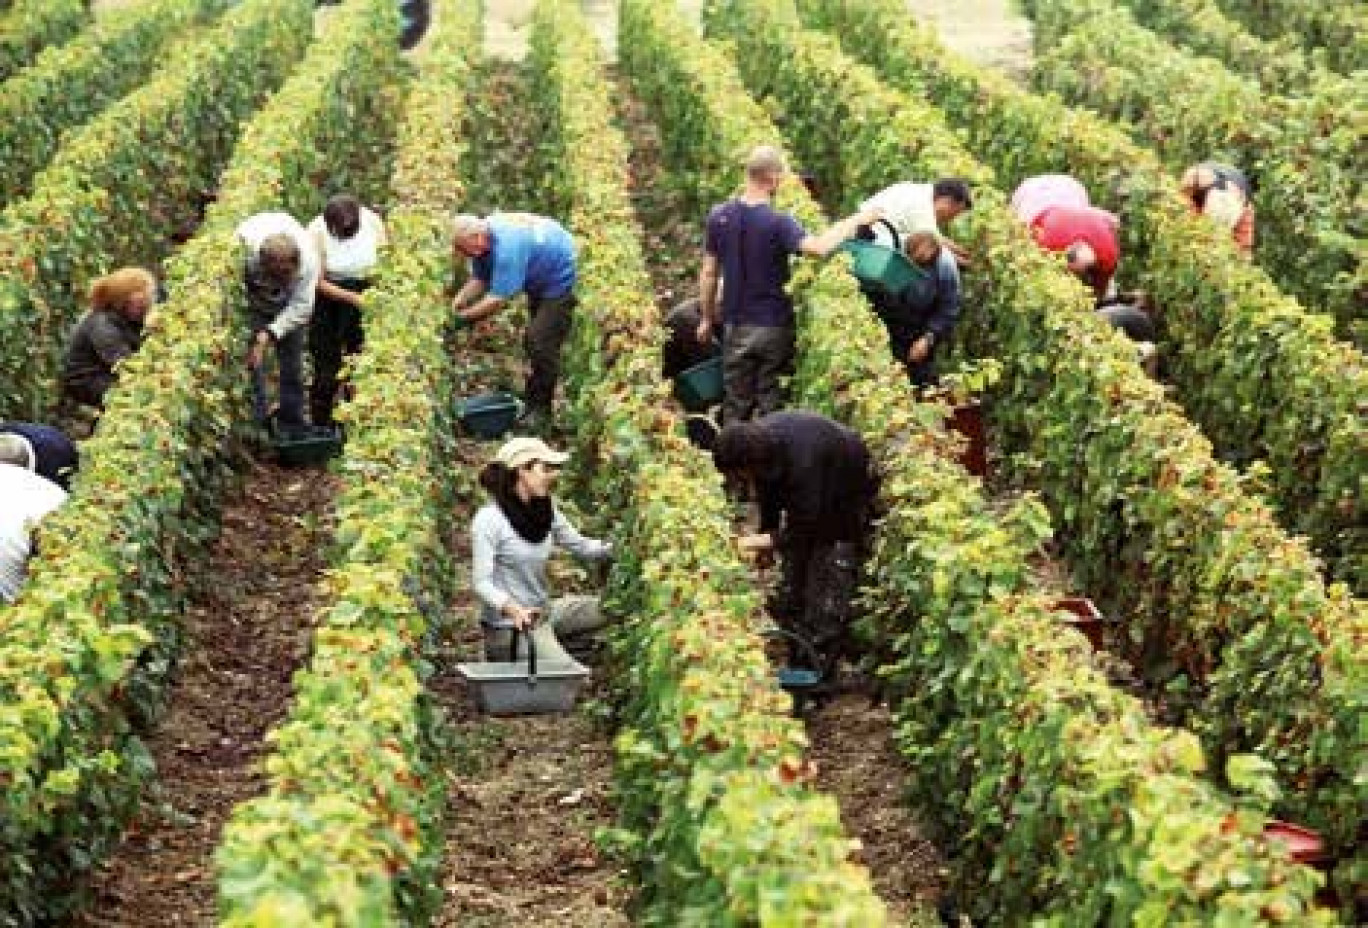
point(820, 246)
point(482, 309)
point(709, 277)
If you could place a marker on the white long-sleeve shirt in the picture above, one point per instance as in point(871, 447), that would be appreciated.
point(25, 498)
point(299, 303)
point(507, 567)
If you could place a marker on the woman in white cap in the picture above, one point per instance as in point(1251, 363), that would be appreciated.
point(512, 538)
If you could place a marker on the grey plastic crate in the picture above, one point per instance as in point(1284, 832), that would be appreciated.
point(507, 688)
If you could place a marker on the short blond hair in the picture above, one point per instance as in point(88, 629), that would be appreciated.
point(765, 162)
point(113, 291)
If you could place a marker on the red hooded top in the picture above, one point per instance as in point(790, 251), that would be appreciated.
point(1058, 227)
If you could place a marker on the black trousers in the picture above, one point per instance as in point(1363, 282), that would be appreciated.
point(815, 598)
point(335, 333)
point(547, 327)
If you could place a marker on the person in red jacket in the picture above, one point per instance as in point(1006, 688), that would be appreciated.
point(1055, 207)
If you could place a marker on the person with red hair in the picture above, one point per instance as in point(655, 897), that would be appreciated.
point(110, 332)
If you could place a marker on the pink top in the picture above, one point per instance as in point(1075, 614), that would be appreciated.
point(1037, 194)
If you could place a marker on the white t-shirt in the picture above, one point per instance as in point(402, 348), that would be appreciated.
point(25, 498)
point(907, 207)
point(354, 257)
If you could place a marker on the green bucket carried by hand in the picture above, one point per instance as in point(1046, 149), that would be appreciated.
point(879, 267)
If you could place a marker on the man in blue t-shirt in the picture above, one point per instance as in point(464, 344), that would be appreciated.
point(747, 244)
point(512, 253)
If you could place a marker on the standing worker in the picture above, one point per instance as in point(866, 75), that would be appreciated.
point(349, 238)
point(817, 488)
point(281, 275)
point(1055, 208)
point(1223, 194)
point(512, 253)
point(747, 244)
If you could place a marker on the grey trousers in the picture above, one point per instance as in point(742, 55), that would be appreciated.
point(568, 615)
point(754, 359)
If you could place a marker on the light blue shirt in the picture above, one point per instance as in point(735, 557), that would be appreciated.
point(527, 254)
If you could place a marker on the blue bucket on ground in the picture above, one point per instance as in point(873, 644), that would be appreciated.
point(880, 267)
point(489, 415)
point(700, 387)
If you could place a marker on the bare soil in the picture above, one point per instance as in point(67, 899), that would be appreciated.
point(990, 32)
point(247, 631)
point(857, 763)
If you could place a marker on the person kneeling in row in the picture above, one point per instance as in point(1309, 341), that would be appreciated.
point(512, 537)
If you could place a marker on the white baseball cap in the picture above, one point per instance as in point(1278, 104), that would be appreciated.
point(517, 452)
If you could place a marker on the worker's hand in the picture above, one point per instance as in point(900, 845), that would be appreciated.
point(522, 617)
point(962, 256)
point(920, 350)
point(257, 353)
point(867, 217)
point(755, 543)
point(704, 331)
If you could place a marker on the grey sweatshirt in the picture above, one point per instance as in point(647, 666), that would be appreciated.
point(509, 567)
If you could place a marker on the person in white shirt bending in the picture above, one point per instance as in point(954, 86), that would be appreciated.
point(25, 499)
point(511, 539)
point(909, 208)
point(349, 238)
point(281, 274)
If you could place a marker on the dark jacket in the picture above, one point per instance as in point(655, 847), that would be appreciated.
point(929, 304)
point(101, 340)
point(55, 457)
point(682, 349)
point(821, 485)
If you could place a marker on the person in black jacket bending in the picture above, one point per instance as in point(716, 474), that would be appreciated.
point(817, 487)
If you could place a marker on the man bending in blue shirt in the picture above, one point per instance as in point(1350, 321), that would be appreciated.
point(512, 253)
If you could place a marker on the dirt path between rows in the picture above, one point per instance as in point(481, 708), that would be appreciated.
point(526, 794)
point(247, 631)
point(989, 32)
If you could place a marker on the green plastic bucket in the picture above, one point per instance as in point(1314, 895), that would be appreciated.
point(489, 415)
point(307, 451)
point(879, 266)
point(700, 387)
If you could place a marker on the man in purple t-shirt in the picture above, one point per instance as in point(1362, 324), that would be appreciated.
point(748, 243)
